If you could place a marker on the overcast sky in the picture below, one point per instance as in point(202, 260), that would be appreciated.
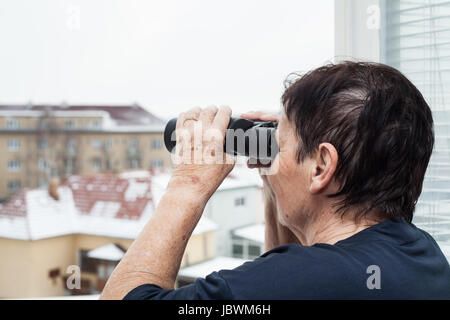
point(166, 55)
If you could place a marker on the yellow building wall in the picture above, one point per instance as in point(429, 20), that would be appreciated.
point(30, 176)
point(25, 265)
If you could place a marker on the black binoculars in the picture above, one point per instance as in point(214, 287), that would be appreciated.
point(252, 139)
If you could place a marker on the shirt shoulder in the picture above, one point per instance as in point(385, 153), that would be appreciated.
point(294, 272)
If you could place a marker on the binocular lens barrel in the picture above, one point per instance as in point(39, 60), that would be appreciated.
point(252, 139)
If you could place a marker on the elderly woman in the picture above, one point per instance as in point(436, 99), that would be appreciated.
point(354, 142)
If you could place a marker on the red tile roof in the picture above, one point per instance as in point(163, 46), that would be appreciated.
point(16, 206)
point(132, 194)
point(87, 190)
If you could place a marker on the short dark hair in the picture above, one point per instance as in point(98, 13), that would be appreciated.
point(380, 125)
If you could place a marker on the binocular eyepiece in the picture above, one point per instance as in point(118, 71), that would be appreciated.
point(252, 139)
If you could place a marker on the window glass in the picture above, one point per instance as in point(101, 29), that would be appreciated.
point(14, 165)
point(13, 145)
point(238, 250)
point(254, 251)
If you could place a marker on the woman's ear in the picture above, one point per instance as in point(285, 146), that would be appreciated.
point(325, 163)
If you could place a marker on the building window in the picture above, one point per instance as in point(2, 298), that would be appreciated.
point(69, 164)
point(12, 124)
point(97, 164)
point(97, 144)
point(133, 143)
point(245, 249)
point(71, 147)
point(254, 251)
point(134, 163)
point(156, 163)
point(42, 144)
point(86, 264)
point(14, 165)
point(13, 145)
point(96, 124)
point(14, 185)
point(108, 164)
point(42, 164)
point(238, 250)
point(108, 144)
point(239, 202)
point(156, 144)
point(70, 124)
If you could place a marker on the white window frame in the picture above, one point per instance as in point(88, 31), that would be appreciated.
point(134, 164)
point(70, 124)
point(42, 164)
point(14, 165)
point(108, 144)
point(96, 124)
point(97, 164)
point(12, 124)
point(97, 144)
point(157, 163)
point(157, 144)
point(42, 144)
point(134, 143)
point(245, 243)
point(13, 145)
point(14, 185)
point(240, 201)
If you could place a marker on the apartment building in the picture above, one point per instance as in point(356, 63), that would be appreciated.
point(41, 142)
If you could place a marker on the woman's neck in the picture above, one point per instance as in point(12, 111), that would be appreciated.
point(331, 227)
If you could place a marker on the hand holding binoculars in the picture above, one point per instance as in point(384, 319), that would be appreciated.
point(252, 139)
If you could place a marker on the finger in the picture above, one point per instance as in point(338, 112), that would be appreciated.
point(180, 120)
point(222, 118)
point(251, 115)
point(261, 116)
point(207, 115)
point(190, 117)
point(194, 113)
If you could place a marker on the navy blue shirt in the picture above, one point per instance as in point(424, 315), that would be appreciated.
point(390, 260)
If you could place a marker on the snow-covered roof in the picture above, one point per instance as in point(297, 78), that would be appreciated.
point(125, 118)
point(110, 252)
point(201, 270)
point(204, 225)
point(254, 232)
point(103, 204)
point(100, 204)
point(241, 177)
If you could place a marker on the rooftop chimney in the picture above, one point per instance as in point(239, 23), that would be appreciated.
point(53, 189)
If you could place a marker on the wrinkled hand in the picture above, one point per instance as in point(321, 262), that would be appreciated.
point(200, 161)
